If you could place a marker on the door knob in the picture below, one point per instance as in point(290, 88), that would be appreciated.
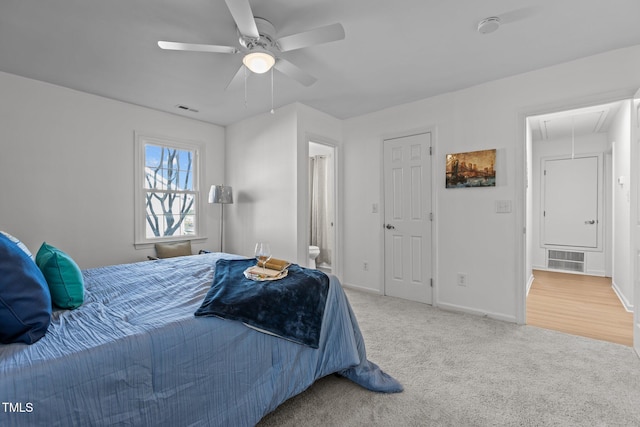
point(593, 221)
point(390, 227)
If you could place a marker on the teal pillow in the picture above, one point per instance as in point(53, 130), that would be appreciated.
point(63, 276)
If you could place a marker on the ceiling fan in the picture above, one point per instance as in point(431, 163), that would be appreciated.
point(259, 46)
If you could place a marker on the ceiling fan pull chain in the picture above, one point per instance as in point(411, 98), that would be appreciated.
point(573, 138)
point(272, 112)
point(245, 87)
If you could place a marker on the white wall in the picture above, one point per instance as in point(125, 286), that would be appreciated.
point(620, 138)
point(261, 160)
point(267, 166)
point(316, 149)
point(66, 169)
point(470, 236)
point(595, 143)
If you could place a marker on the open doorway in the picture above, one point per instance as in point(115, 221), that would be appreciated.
point(578, 165)
point(322, 207)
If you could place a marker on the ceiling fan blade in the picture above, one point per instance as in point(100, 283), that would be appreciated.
point(237, 78)
point(192, 47)
point(320, 35)
point(293, 71)
point(242, 14)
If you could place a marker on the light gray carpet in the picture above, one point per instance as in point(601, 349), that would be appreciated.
point(465, 370)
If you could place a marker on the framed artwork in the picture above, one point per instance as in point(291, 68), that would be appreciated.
point(472, 169)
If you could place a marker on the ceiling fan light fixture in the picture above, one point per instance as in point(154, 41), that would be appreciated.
point(259, 62)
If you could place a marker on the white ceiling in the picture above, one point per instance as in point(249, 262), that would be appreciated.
point(573, 123)
point(394, 51)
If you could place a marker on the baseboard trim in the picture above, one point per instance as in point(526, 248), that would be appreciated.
point(596, 273)
point(529, 283)
point(468, 310)
point(599, 273)
point(443, 306)
point(362, 289)
point(626, 304)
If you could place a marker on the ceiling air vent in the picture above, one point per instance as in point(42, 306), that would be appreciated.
point(185, 108)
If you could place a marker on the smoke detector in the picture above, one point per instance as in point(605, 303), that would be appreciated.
point(489, 25)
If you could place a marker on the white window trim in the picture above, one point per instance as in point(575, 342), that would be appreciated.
point(141, 139)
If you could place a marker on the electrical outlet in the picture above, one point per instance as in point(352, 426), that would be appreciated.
point(365, 266)
point(503, 206)
point(462, 279)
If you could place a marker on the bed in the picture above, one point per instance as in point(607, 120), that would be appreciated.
point(134, 354)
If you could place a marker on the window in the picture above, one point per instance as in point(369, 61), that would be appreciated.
point(168, 202)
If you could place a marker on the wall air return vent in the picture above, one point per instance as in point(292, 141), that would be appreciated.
point(565, 260)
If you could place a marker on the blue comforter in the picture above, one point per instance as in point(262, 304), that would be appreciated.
point(134, 354)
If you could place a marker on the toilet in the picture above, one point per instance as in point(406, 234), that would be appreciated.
point(314, 251)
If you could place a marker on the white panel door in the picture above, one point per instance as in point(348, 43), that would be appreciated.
point(407, 210)
point(570, 213)
point(634, 191)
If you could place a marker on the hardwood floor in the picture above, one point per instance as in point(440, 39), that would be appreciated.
point(579, 305)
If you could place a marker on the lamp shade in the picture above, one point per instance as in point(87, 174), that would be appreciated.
point(259, 62)
point(220, 194)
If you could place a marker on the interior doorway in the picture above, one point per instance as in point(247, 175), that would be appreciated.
point(597, 247)
point(322, 206)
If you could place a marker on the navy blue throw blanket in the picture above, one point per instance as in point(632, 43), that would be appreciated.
point(291, 307)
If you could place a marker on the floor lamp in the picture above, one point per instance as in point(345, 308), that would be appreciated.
point(223, 195)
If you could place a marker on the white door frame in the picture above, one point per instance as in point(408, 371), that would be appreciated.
point(434, 208)
point(635, 217)
point(520, 159)
point(336, 256)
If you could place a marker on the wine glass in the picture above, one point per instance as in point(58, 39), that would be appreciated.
point(263, 253)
